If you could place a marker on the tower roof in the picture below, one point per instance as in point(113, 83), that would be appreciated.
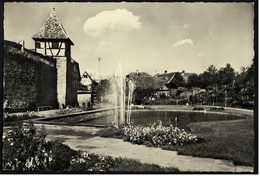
point(52, 29)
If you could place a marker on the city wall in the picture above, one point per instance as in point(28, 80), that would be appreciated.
point(30, 79)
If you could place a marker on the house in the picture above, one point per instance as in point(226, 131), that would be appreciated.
point(52, 40)
point(144, 86)
point(86, 82)
point(170, 81)
point(86, 92)
point(143, 80)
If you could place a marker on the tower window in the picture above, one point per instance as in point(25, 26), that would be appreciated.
point(38, 44)
point(55, 45)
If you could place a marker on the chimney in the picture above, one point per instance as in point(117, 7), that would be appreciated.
point(22, 48)
point(137, 72)
point(182, 73)
point(165, 72)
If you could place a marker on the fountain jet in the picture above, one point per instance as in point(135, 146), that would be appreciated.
point(119, 89)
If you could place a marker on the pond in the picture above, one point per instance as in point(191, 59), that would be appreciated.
point(144, 117)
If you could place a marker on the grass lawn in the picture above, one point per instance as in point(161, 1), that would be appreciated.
point(130, 165)
point(231, 140)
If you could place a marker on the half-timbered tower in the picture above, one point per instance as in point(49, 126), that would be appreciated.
point(52, 40)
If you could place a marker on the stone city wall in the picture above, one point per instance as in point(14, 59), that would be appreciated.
point(29, 79)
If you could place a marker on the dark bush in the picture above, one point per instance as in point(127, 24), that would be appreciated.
point(32, 107)
point(198, 109)
point(148, 144)
point(61, 155)
point(111, 132)
point(247, 105)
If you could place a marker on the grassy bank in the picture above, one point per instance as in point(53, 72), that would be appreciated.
point(231, 140)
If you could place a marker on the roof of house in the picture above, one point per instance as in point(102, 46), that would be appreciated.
point(187, 75)
point(143, 80)
point(167, 77)
point(52, 29)
point(86, 75)
point(138, 74)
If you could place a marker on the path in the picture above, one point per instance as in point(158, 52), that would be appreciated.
point(163, 158)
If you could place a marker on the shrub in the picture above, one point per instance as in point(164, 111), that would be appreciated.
point(111, 132)
point(198, 109)
point(32, 107)
point(61, 155)
point(24, 149)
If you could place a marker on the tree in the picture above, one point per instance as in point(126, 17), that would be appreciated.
point(145, 86)
point(240, 80)
point(208, 77)
point(193, 81)
point(226, 75)
point(104, 88)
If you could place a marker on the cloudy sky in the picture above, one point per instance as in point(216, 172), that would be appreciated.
point(149, 37)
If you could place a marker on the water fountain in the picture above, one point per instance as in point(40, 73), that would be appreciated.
point(130, 86)
point(119, 84)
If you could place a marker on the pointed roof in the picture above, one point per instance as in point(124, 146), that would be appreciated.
point(52, 29)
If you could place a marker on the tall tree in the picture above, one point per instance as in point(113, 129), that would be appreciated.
point(193, 81)
point(209, 77)
point(226, 75)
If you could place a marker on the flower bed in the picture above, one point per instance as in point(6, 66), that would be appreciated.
point(11, 119)
point(68, 111)
point(152, 135)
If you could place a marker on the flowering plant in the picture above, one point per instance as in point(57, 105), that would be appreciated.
point(158, 135)
point(90, 162)
point(24, 149)
point(68, 111)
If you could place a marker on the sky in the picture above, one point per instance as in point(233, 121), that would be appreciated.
point(148, 37)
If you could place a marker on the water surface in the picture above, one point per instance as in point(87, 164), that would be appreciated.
point(144, 117)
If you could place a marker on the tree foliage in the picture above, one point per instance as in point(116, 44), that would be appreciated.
point(226, 75)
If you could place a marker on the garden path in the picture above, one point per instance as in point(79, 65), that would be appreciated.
point(163, 158)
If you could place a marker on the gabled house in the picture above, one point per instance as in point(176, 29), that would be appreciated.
point(86, 82)
point(169, 78)
point(170, 81)
point(86, 91)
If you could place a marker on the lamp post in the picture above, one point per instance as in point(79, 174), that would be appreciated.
point(99, 59)
point(225, 95)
